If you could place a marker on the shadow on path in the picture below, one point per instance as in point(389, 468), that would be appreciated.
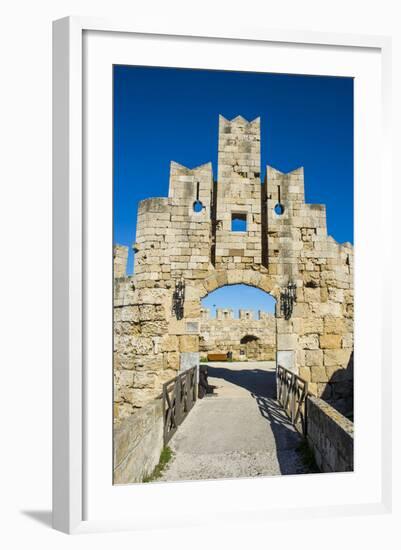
point(261, 384)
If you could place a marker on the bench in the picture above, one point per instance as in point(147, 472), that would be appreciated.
point(217, 356)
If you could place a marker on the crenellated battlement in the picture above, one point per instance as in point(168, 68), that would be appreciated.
point(228, 314)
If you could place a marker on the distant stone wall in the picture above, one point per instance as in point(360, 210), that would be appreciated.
point(330, 436)
point(248, 338)
point(138, 442)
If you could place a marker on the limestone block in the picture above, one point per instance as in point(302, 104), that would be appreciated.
point(333, 325)
point(330, 341)
point(143, 379)
point(171, 361)
point(125, 378)
point(284, 326)
point(310, 325)
point(152, 313)
point(309, 342)
point(348, 340)
point(192, 309)
point(287, 341)
point(301, 309)
point(188, 343)
point(318, 374)
point(324, 295)
point(155, 296)
point(153, 328)
point(314, 358)
point(305, 373)
point(123, 410)
point(192, 293)
point(335, 357)
point(312, 294)
point(300, 358)
point(128, 313)
point(151, 363)
point(169, 343)
point(141, 345)
point(327, 308)
point(336, 295)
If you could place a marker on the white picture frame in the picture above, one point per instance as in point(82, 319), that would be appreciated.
point(70, 260)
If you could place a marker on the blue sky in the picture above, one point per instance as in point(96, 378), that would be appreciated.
point(172, 114)
point(239, 297)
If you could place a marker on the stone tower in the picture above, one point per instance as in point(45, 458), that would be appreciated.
point(238, 194)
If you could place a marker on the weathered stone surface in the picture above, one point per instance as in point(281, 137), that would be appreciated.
point(169, 342)
point(287, 341)
point(305, 373)
point(188, 343)
point(172, 361)
point(138, 442)
point(250, 337)
point(336, 357)
point(311, 325)
point(330, 341)
point(120, 254)
point(334, 325)
point(330, 436)
point(314, 358)
point(310, 341)
point(318, 374)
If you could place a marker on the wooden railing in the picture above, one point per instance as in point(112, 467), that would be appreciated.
point(179, 396)
point(291, 394)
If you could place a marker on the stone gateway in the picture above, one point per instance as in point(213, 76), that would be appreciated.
point(245, 228)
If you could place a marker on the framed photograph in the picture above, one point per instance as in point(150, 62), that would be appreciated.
point(217, 198)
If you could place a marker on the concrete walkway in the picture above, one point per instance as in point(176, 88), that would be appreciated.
point(241, 431)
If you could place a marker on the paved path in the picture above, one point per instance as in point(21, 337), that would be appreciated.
point(239, 432)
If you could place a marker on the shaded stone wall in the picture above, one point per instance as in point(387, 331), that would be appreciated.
point(248, 337)
point(138, 442)
point(176, 242)
point(330, 436)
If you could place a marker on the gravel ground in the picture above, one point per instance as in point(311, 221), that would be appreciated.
point(241, 431)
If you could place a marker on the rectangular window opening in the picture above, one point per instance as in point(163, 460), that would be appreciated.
point(238, 221)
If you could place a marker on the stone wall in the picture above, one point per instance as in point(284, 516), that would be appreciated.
point(145, 355)
point(120, 256)
point(248, 337)
point(138, 442)
point(238, 192)
point(330, 436)
point(187, 237)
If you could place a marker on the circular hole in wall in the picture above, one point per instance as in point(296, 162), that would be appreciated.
point(197, 206)
point(279, 209)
